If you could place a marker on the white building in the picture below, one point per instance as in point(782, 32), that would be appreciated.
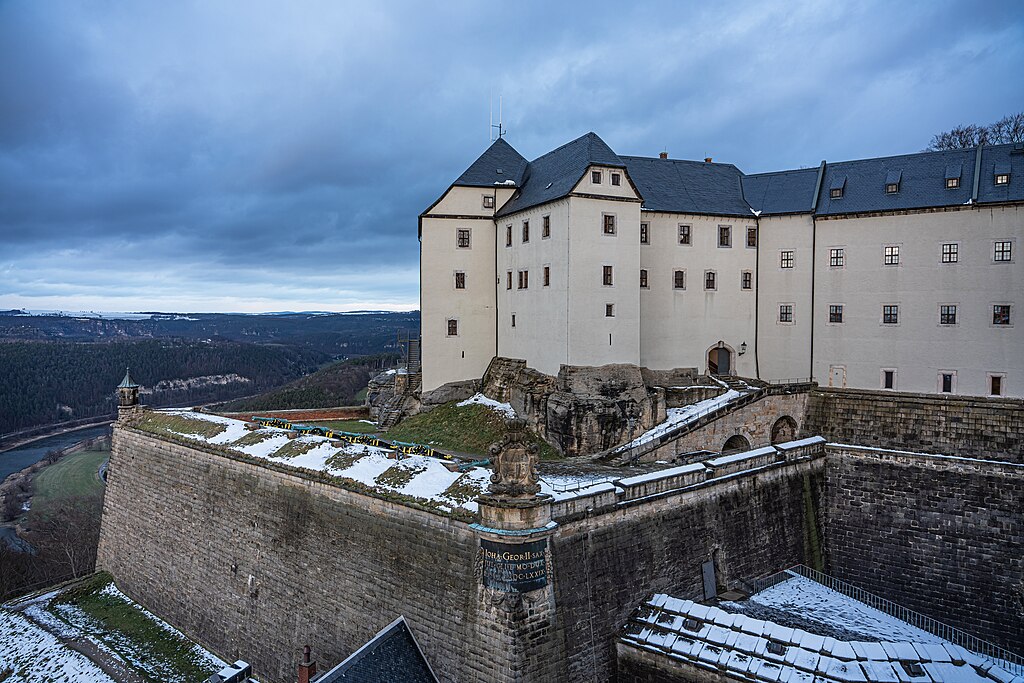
point(898, 273)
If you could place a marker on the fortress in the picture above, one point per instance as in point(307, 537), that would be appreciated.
point(631, 312)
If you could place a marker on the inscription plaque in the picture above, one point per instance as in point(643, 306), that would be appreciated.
point(515, 567)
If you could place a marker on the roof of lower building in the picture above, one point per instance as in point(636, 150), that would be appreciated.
point(391, 655)
point(906, 182)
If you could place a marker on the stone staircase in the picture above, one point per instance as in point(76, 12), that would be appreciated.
point(394, 409)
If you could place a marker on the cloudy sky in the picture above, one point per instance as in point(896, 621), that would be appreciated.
point(252, 156)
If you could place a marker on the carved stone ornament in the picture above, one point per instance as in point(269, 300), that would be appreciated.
point(515, 464)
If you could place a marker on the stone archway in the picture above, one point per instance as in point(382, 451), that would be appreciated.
point(721, 359)
point(784, 429)
point(735, 444)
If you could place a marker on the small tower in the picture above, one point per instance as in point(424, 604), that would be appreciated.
point(127, 396)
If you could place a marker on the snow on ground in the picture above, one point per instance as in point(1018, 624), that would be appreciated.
point(481, 400)
point(677, 417)
point(36, 656)
point(815, 602)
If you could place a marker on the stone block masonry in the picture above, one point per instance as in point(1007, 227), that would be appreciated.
point(940, 535)
point(953, 425)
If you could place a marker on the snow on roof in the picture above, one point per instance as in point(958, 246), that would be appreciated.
point(744, 647)
point(677, 417)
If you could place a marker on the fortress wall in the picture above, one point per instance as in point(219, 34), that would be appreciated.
point(939, 535)
point(934, 423)
point(752, 524)
point(254, 563)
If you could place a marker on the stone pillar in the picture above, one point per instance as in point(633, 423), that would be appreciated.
point(516, 598)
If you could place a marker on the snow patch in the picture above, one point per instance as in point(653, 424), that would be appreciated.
point(481, 400)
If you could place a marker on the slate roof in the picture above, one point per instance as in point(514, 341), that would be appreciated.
point(682, 186)
point(499, 163)
point(391, 655)
point(781, 192)
point(743, 648)
point(127, 382)
point(553, 175)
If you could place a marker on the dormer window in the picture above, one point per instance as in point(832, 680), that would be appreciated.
point(953, 172)
point(595, 177)
point(1002, 174)
point(835, 190)
point(892, 181)
point(952, 183)
point(616, 179)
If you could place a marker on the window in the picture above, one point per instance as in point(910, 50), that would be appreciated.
point(835, 258)
point(643, 278)
point(462, 238)
point(547, 276)
point(892, 256)
point(508, 235)
point(609, 310)
point(460, 280)
point(524, 279)
point(606, 275)
point(746, 280)
point(453, 327)
point(1001, 314)
point(952, 183)
point(786, 259)
point(890, 314)
point(488, 201)
point(888, 379)
point(892, 188)
point(836, 193)
point(595, 177)
point(526, 231)
point(684, 234)
point(513, 320)
point(679, 279)
point(946, 382)
point(785, 313)
point(751, 237)
point(1002, 178)
point(609, 224)
point(995, 384)
point(709, 279)
point(835, 313)
point(508, 280)
point(616, 179)
point(645, 233)
point(1003, 251)
point(947, 314)
point(545, 227)
point(950, 252)
point(724, 235)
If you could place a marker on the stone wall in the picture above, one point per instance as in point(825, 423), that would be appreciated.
point(253, 563)
point(933, 423)
point(606, 563)
point(939, 535)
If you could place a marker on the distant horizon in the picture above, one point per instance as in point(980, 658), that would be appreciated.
point(113, 315)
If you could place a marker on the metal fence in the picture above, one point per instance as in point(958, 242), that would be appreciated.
point(983, 648)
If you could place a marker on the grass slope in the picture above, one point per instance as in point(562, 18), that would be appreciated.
point(467, 429)
point(72, 476)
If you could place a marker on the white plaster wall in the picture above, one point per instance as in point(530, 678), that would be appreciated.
point(784, 349)
point(586, 185)
point(679, 326)
point(918, 347)
point(469, 201)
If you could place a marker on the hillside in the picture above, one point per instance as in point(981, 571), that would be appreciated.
point(47, 382)
point(334, 385)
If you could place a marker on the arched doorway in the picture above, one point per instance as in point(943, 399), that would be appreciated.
point(735, 444)
point(784, 429)
point(720, 359)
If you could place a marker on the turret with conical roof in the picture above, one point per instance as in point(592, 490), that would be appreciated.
point(127, 392)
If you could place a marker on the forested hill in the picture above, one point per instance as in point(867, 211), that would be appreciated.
point(48, 382)
point(337, 334)
point(334, 385)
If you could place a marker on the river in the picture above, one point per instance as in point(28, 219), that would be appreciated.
point(21, 457)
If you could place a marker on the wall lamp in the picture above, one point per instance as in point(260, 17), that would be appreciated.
point(743, 348)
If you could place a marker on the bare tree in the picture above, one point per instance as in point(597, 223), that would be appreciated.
point(1005, 130)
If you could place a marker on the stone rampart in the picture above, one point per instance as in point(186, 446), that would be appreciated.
point(934, 423)
point(939, 535)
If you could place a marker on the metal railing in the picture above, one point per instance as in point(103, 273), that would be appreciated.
point(1000, 656)
point(565, 487)
point(789, 380)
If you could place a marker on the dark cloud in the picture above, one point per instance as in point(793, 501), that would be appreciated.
point(255, 156)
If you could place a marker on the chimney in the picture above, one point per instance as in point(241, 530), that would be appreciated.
point(307, 669)
point(707, 160)
point(663, 155)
